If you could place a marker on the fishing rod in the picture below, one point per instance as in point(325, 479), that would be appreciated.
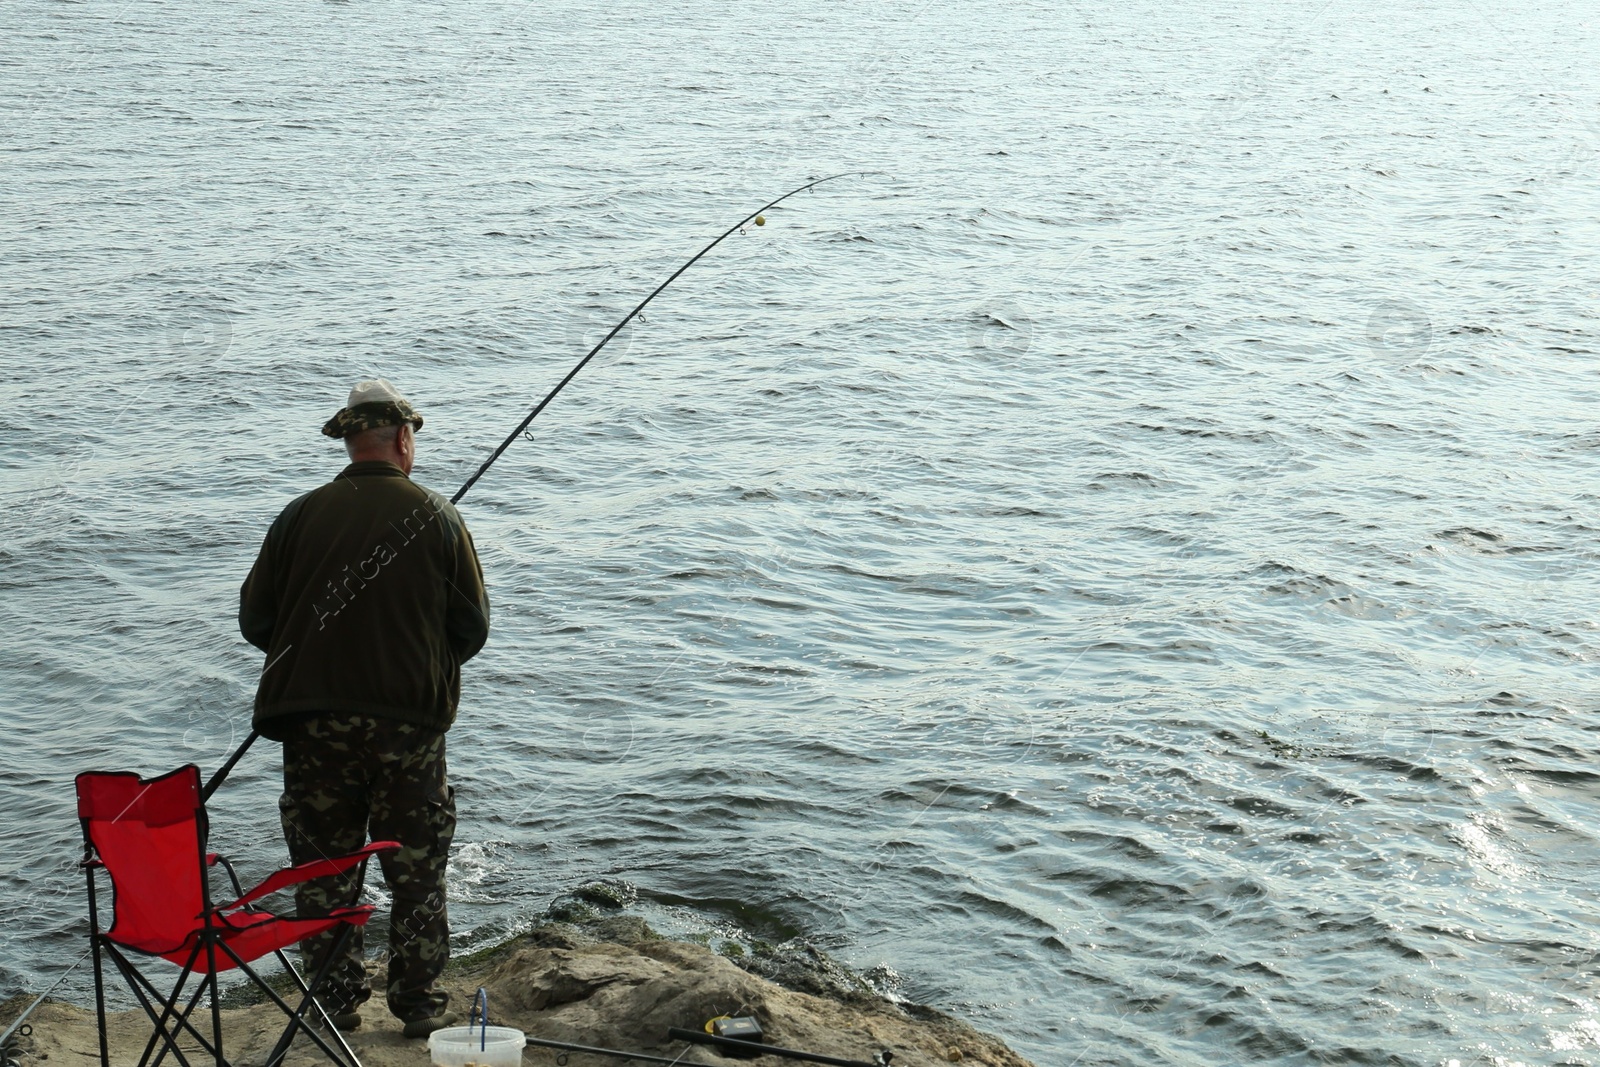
point(18, 1026)
point(758, 215)
point(222, 772)
point(615, 1053)
point(479, 1016)
point(755, 1048)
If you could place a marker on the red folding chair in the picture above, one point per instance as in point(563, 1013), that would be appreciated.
point(149, 836)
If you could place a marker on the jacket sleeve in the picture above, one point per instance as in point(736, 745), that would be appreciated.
point(258, 597)
point(466, 622)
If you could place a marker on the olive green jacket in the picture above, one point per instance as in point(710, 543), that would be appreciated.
point(367, 597)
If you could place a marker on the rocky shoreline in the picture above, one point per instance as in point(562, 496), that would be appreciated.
point(595, 979)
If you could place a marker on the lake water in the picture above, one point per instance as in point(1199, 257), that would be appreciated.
point(1126, 568)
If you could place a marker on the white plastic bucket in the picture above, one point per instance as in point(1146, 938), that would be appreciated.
point(463, 1046)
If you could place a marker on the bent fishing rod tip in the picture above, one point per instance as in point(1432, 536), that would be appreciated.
point(760, 219)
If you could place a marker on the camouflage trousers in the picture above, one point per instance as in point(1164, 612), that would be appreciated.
point(346, 775)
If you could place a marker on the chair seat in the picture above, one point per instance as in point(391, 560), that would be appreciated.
point(250, 934)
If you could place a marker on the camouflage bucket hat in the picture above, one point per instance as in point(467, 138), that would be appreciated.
point(373, 403)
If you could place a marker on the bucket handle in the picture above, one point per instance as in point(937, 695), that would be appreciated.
point(480, 1012)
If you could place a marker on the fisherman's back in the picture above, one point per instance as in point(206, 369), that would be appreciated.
point(367, 597)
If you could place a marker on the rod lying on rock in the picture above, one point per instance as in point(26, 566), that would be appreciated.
point(621, 1054)
point(18, 1025)
point(755, 1048)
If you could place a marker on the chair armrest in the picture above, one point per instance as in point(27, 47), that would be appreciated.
point(304, 872)
point(214, 858)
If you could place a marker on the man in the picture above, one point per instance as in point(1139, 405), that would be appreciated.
point(367, 597)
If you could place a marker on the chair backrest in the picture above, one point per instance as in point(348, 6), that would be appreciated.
point(149, 834)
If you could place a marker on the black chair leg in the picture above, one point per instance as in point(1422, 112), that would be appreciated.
point(309, 1000)
point(216, 1007)
point(99, 978)
point(148, 997)
point(180, 1022)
